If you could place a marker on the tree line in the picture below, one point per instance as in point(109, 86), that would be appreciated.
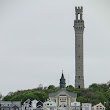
point(94, 94)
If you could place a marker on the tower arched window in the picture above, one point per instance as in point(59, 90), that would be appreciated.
point(78, 16)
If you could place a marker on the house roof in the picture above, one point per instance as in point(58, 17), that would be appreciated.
point(62, 90)
point(100, 104)
point(11, 106)
point(75, 104)
point(49, 101)
point(27, 101)
point(8, 104)
point(34, 101)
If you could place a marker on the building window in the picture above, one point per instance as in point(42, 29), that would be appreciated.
point(79, 87)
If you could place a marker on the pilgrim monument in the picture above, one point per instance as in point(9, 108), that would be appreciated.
point(79, 29)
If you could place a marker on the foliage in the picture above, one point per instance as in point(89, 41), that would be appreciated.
point(0, 96)
point(94, 94)
point(70, 88)
point(28, 94)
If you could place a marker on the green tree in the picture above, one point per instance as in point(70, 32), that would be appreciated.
point(70, 88)
point(0, 95)
point(94, 94)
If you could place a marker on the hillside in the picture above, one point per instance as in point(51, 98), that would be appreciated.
point(94, 94)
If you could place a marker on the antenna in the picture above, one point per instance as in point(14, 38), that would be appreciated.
point(68, 79)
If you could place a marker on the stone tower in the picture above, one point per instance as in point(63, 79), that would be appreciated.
point(79, 29)
point(62, 81)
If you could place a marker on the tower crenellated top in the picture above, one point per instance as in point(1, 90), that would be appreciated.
point(79, 12)
point(79, 22)
point(79, 9)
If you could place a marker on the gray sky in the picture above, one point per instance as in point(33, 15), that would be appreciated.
point(37, 42)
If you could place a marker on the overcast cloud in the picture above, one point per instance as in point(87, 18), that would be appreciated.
point(37, 42)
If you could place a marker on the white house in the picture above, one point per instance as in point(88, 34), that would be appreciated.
point(99, 106)
point(10, 105)
point(51, 105)
point(27, 105)
point(39, 105)
point(34, 104)
point(86, 106)
point(75, 105)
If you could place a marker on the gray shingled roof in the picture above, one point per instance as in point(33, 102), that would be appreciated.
point(63, 90)
point(10, 104)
